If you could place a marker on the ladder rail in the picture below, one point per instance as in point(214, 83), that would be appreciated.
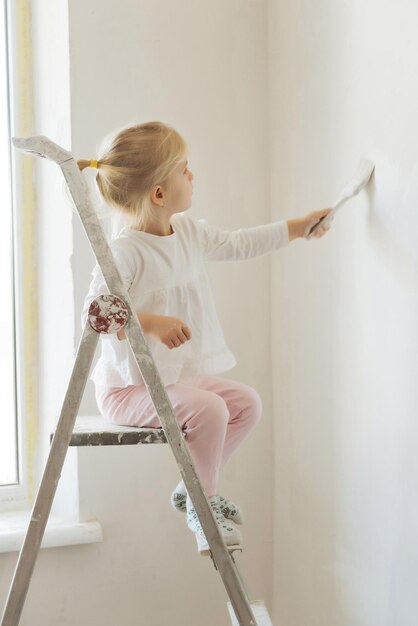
point(49, 482)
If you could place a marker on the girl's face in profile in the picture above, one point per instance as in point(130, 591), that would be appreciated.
point(179, 196)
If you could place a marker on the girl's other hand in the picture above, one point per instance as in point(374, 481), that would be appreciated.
point(171, 331)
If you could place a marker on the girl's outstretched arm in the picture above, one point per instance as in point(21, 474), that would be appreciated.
point(247, 243)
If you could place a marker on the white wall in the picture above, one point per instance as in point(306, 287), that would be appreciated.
point(343, 85)
point(201, 67)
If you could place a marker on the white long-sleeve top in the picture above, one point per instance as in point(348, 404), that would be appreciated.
point(166, 275)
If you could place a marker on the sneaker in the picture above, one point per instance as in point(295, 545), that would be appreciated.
point(229, 531)
point(228, 509)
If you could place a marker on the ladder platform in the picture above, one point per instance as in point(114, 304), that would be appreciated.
point(97, 431)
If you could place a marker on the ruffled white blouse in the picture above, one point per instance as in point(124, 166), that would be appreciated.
point(166, 275)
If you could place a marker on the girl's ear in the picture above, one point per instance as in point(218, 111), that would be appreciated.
point(157, 195)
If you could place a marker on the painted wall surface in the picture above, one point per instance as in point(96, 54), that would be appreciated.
point(201, 67)
point(345, 340)
point(315, 86)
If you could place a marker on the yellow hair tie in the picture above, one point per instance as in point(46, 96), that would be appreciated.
point(94, 164)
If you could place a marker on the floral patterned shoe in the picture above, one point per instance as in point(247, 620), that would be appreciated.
point(229, 531)
point(228, 509)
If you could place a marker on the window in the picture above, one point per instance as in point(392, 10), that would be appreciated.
point(39, 378)
point(9, 463)
point(18, 277)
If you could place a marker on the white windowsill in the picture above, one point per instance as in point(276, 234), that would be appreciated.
point(13, 526)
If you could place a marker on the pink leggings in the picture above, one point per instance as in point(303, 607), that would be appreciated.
point(215, 413)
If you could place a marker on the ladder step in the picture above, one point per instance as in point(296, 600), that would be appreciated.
point(97, 431)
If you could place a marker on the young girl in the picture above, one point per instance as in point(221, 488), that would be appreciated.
point(160, 254)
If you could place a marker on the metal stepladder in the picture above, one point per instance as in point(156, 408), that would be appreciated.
point(108, 313)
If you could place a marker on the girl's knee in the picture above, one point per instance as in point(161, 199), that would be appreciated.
point(216, 409)
point(210, 413)
point(254, 405)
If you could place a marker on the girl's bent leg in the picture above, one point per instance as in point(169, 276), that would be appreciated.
point(244, 407)
point(203, 416)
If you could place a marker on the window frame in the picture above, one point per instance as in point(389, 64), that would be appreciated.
point(20, 112)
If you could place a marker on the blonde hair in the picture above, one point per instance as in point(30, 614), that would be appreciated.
point(132, 162)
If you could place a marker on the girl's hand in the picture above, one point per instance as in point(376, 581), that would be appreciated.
point(310, 220)
point(301, 226)
point(169, 330)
